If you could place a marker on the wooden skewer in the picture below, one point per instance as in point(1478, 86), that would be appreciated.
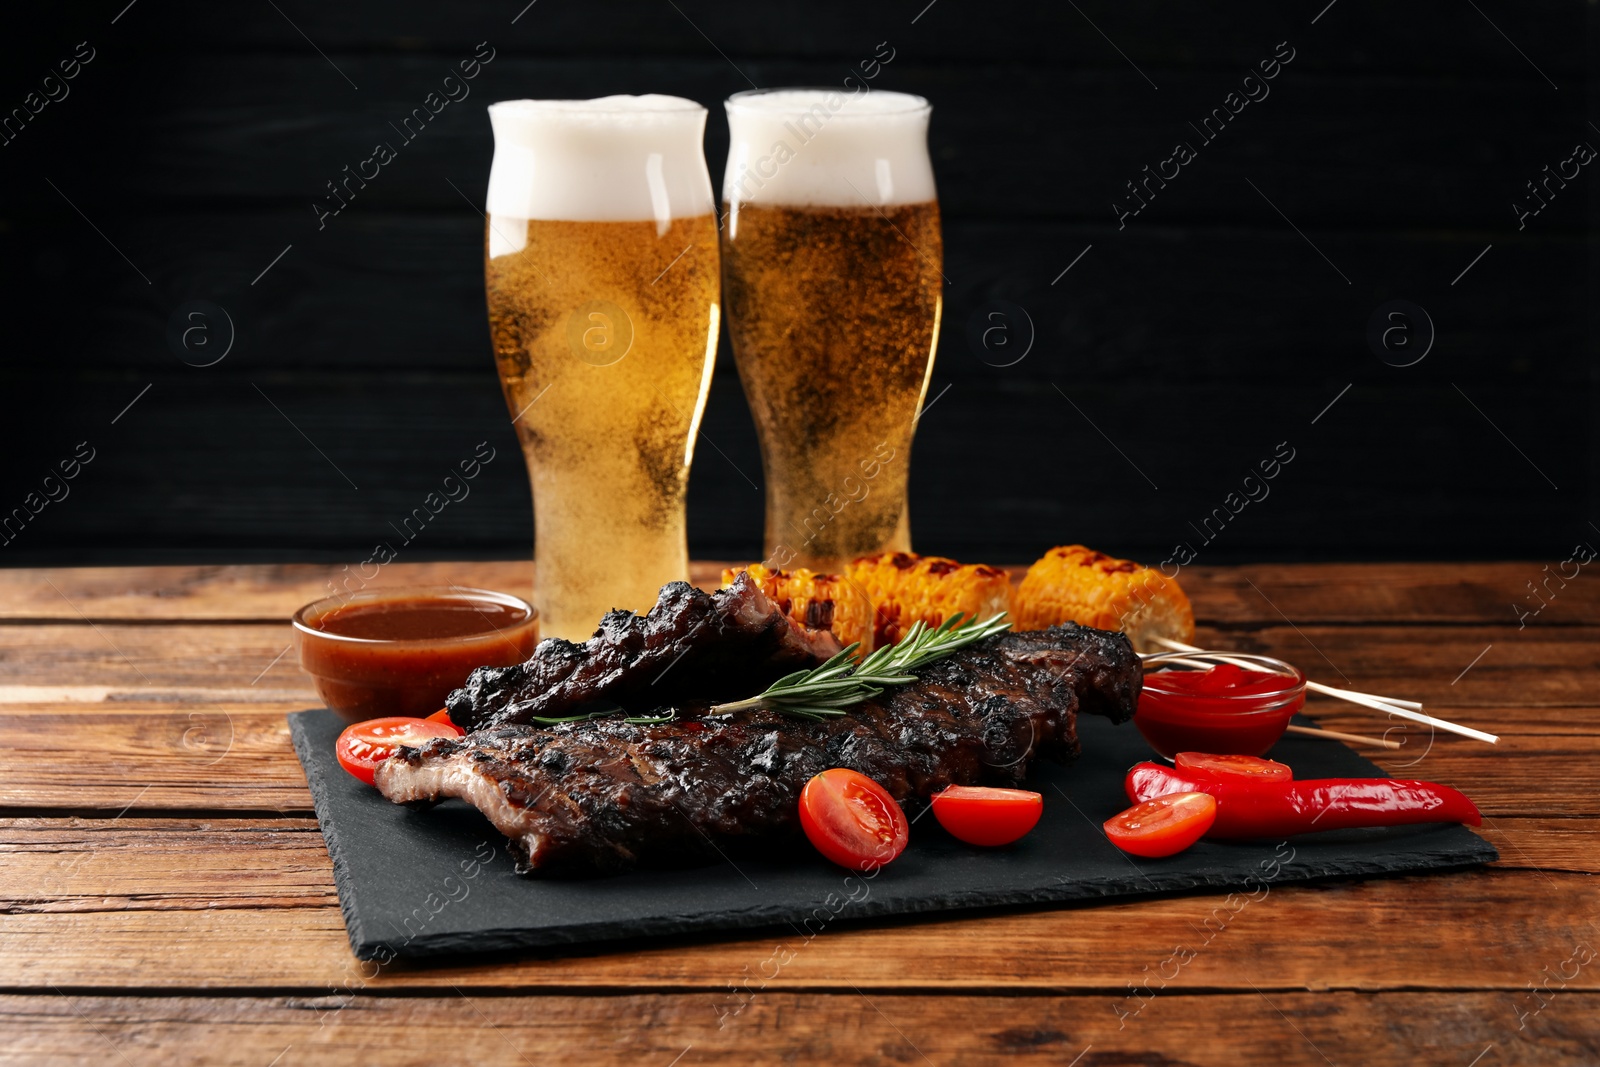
point(1404, 709)
point(1335, 735)
point(1352, 695)
point(1329, 735)
point(1346, 694)
point(1429, 720)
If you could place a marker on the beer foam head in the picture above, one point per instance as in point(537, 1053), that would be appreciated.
point(827, 147)
point(613, 159)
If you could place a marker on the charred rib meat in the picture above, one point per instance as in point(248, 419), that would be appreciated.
point(604, 795)
point(717, 646)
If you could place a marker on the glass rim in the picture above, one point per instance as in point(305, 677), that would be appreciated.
point(402, 592)
point(915, 104)
point(581, 106)
point(1294, 677)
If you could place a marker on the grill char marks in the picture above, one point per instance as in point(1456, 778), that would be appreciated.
point(692, 644)
point(604, 795)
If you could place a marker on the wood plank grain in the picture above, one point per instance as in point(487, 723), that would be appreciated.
point(229, 662)
point(1529, 775)
point(1448, 666)
point(1488, 929)
point(208, 757)
point(195, 753)
point(1243, 595)
point(1385, 1030)
point(1567, 844)
point(1390, 593)
point(240, 592)
point(56, 865)
point(139, 863)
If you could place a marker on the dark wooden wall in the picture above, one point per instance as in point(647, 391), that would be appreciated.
point(1173, 356)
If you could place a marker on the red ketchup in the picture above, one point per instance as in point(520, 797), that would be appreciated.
point(1225, 708)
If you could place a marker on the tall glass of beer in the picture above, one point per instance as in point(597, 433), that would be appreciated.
point(831, 272)
point(600, 258)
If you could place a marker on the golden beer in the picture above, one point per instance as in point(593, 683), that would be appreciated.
point(603, 310)
point(831, 258)
point(833, 313)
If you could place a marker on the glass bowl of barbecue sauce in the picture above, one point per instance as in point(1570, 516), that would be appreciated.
point(401, 651)
point(1240, 707)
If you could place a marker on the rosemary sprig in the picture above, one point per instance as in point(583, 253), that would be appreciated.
point(825, 691)
point(637, 720)
point(608, 710)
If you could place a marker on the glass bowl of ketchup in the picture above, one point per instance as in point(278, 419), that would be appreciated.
point(1240, 707)
point(401, 651)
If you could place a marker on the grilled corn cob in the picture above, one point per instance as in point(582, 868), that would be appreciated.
point(820, 601)
point(904, 588)
point(1072, 583)
point(880, 597)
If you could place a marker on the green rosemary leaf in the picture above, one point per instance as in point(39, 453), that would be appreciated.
point(825, 691)
point(651, 720)
point(605, 709)
point(637, 720)
point(544, 720)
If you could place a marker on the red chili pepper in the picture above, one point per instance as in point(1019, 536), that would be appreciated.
point(1247, 810)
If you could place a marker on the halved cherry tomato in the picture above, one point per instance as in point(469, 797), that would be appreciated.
point(852, 819)
point(1249, 768)
point(364, 745)
point(980, 815)
point(1163, 826)
point(443, 715)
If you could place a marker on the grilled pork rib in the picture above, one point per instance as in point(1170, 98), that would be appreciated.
point(711, 646)
point(604, 795)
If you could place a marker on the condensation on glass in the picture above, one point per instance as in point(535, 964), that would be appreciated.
point(831, 270)
point(600, 260)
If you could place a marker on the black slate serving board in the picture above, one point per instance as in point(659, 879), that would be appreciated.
point(437, 882)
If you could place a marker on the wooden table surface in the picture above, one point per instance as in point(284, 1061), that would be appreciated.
point(167, 897)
